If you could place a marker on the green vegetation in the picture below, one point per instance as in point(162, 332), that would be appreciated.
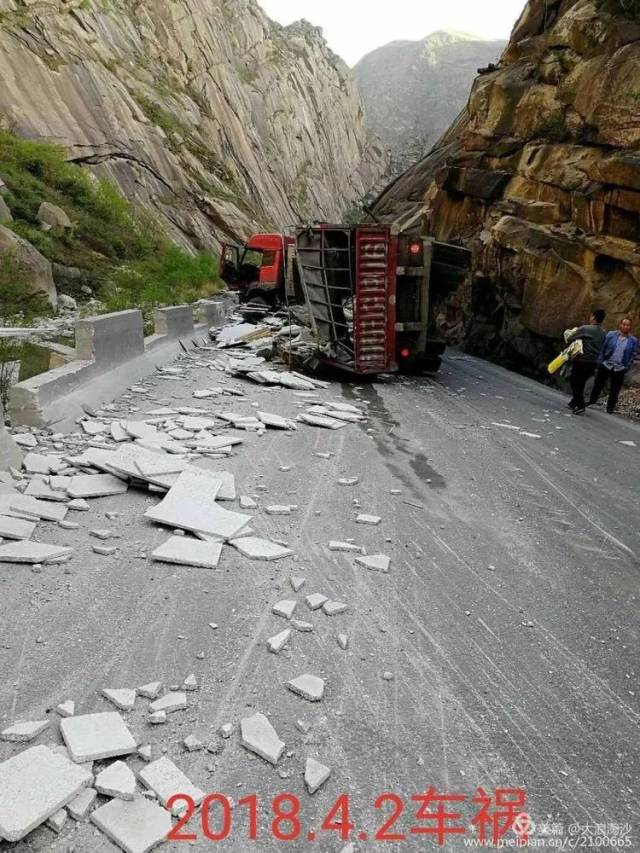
point(553, 129)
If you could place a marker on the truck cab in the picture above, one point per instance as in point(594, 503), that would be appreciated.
point(256, 270)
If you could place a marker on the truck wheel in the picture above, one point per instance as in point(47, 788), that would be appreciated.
point(431, 364)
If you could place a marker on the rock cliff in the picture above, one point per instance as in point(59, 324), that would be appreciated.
point(204, 111)
point(413, 90)
point(540, 175)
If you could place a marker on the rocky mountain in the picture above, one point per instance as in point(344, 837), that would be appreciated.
point(540, 175)
point(207, 113)
point(413, 90)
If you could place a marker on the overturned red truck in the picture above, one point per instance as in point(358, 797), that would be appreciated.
point(369, 290)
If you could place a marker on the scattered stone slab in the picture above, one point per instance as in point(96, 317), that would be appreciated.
point(226, 730)
point(348, 547)
point(334, 608)
point(255, 548)
point(37, 463)
point(136, 826)
point(284, 608)
point(16, 528)
point(104, 550)
point(315, 775)
point(310, 687)
point(25, 439)
point(190, 682)
point(628, 443)
point(116, 780)
point(189, 552)
point(258, 736)
point(321, 421)
point(165, 779)
point(343, 641)
point(150, 690)
point(96, 486)
point(297, 582)
point(34, 785)
point(316, 600)
point(57, 821)
point(277, 643)
point(375, 562)
point(368, 519)
point(32, 508)
point(169, 703)
point(24, 732)
point(348, 481)
point(281, 509)
point(157, 718)
point(192, 744)
point(275, 421)
point(303, 627)
point(25, 551)
point(247, 502)
point(66, 709)
point(79, 807)
point(43, 491)
point(123, 698)
point(93, 737)
point(146, 752)
point(79, 504)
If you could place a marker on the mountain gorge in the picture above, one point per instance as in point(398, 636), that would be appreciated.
point(540, 176)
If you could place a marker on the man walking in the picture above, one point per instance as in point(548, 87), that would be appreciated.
point(616, 357)
point(584, 366)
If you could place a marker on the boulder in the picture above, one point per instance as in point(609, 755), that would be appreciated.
point(66, 303)
point(53, 216)
point(5, 212)
point(41, 275)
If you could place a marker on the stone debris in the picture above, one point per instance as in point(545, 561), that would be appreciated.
point(24, 732)
point(303, 627)
point(96, 486)
point(93, 427)
point(136, 826)
point(247, 503)
point(368, 519)
point(276, 421)
point(146, 752)
point(103, 534)
point(315, 775)
point(321, 421)
point(190, 682)
point(348, 481)
point(79, 807)
point(376, 562)
point(57, 821)
point(281, 509)
point(79, 504)
point(116, 780)
point(277, 643)
point(34, 785)
point(297, 582)
point(104, 550)
point(310, 687)
point(628, 443)
point(37, 463)
point(189, 552)
point(226, 730)
point(16, 528)
point(123, 698)
point(334, 608)
point(343, 641)
point(157, 718)
point(25, 551)
point(260, 549)
point(66, 709)
point(284, 608)
point(387, 676)
point(43, 491)
point(316, 600)
point(169, 703)
point(25, 439)
point(258, 736)
point(303, 726)
point(348, 547)
point(32, 508)
point(93, 737)
point(165, 779)
point(192, 744)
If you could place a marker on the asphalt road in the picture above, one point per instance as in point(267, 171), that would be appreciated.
point(509, 619)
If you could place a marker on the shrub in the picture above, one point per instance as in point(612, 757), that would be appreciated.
point(553, 129)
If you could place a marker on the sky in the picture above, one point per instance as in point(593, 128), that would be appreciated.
point(355, 27)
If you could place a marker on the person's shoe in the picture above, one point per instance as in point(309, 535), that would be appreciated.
point(579, 411)
point(571, 405)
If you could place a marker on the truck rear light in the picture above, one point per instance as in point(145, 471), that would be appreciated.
point(415, 248)
point(405, 352)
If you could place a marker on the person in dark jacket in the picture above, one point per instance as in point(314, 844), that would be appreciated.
point(584, 366)
point(616, 357)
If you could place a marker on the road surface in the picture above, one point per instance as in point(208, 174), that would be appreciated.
point(509, 619)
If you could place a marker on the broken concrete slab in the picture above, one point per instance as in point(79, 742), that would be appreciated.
point(24, 732)
point(169, 703)
point(310, 687)
point(368, 519)
point(151, 690)
point(96, 486)
point(315, 775)
point(92, 737)
point(123, 698)
point(43, 491)
point(316, 600)
point(190, 683)
point(321, 421)
point(116, 780)
point(136, 827)
point(79, 807)
point(343, 641)
point(375, 562)
point(276, 421)
point(258, 736)
point(79, 505)
point(277, 643)
point(189, 552)
point(334, 608)
point(57, 821)
point(66, 709)
point(16, 528)
point(157, 718)
point(26, 551)
point(37, 463)
point(260, 549)
point(28, 507)
point(247, 502)
point(297, 582)
point(146, 752)
point(104, 550)
point(303, 627)
point(348, 547)
point(284, 608)
point(281, 509)
point(165, 779)
point(34, 785)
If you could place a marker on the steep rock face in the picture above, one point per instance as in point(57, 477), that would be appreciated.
point(540, 175)
point(413, 90)
point(205, 111)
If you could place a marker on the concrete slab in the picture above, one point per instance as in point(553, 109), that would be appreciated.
point(281, 509)
point(25, 551)
point(277, 643)
point(375, 562)
point(258, 736)
point(66, 709)
point(57, 821)
point(165, 779)
point(321, 421)
point(285, 608)
point(79, 807)
point(247, 502)
point(217, 442)
point(189, 552)
point(315, 775)
point(34, 785)
point(136, 827)
point(368, 519)
point(276, 421)
point(118, 433)
point(151, 690)
point(44, 492)
point(316, 600)
point(116, 780)
point(123, 698)
point(169, 703)
point(96, 486)
point(38, 463)
point(79, 505)
point(334, 608)
point(260, 549)
point(297, 582)
point(348, 547)
point(30, 507)
point(16, 528)
point(310, 687)
point(303, 627)
point(92, 737)
point(25, 731)
point(227, 480)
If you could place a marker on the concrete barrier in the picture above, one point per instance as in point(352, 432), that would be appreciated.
point(111, 354)
point(10, 453)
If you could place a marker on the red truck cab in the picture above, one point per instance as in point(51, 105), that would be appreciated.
point(256, 269)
